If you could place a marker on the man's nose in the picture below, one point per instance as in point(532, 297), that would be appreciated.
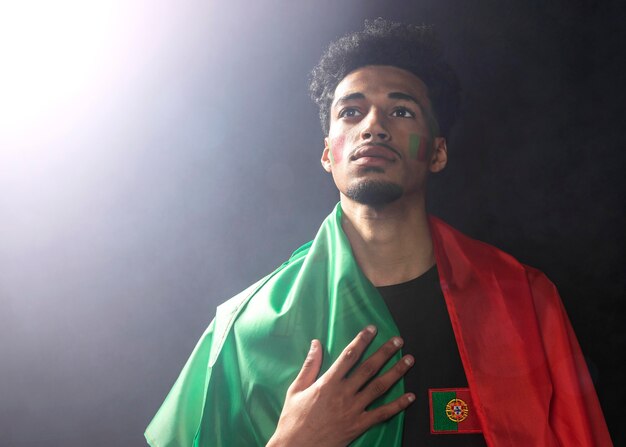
point(374, 126)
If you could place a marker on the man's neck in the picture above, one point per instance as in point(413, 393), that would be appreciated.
point(391, 244)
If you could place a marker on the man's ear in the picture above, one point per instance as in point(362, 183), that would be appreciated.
point(439, 157)
point(326, 156)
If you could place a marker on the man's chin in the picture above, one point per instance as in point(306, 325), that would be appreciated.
point(374, 193)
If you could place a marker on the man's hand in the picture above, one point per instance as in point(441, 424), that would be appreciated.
point(331, 411)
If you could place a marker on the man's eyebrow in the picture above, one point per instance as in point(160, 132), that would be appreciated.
point(349, 97)
point(405, 96)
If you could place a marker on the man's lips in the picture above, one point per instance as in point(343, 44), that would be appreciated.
point(376, 150)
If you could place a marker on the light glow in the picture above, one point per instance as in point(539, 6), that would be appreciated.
point(60, 58)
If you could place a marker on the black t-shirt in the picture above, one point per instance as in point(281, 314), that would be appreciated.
point(419, 310)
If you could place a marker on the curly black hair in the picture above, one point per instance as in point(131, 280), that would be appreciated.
point(410, 47)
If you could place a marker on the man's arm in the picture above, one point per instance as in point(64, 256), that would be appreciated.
point(332, 410)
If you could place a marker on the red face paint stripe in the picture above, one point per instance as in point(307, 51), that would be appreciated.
point(336, 149)
point(421, 155)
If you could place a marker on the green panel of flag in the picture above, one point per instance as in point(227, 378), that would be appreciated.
point(441, 422)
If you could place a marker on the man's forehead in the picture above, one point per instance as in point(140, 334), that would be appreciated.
point(381, 81)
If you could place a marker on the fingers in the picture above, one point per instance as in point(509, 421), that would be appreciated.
point(363, 374)
point(380, 385)
point(310, 369)
point(387, 411)
point(374, 363)
point(337, 402)
point(351, 354)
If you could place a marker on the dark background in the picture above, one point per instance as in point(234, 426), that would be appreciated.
point(195, 170)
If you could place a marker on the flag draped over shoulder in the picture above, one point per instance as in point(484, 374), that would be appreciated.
point(232, 389)
point(523, 364)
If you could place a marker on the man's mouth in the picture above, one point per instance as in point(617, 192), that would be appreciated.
point(380, 151)
point(376, 150)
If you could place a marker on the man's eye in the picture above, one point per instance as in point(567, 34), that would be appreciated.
point(349, 113)
point(401, 112)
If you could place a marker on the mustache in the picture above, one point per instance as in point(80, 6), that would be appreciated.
point(377, 143)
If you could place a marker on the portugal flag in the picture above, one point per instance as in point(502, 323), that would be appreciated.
point(452, 411)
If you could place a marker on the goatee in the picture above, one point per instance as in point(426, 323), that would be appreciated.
point(374, 193)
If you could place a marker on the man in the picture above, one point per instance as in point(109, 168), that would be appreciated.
point(491, 358)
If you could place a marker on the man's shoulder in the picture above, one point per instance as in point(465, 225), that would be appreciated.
point(456, 247)
point(229, 309)
point(293, 263)
point(258, 295)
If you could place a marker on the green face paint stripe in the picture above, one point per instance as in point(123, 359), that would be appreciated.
point(441, 422)
point(414, 145)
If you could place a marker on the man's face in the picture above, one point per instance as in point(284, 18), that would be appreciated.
point(382, 140)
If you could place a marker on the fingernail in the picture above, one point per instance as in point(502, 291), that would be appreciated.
point(312, 345)
point(408, 361)
point(411, 397)
point(371, 329)
point(397, 342)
